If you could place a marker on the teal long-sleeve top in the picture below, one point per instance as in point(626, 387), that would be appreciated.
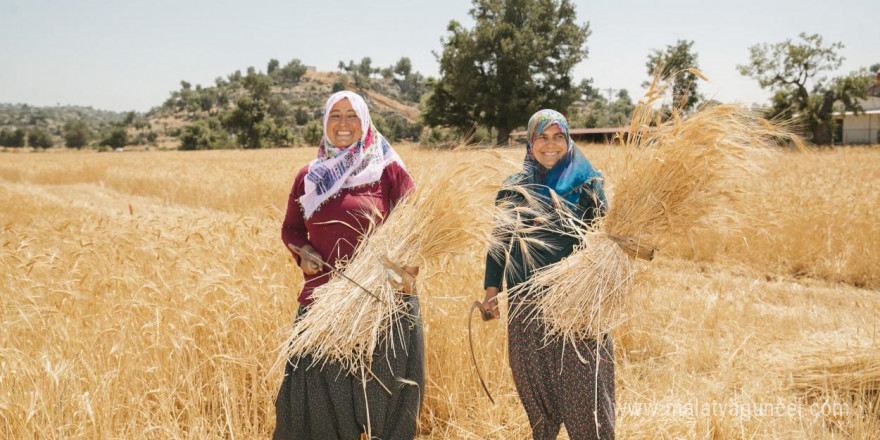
point(509, 263)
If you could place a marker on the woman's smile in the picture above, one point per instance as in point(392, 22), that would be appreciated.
point(549, 146)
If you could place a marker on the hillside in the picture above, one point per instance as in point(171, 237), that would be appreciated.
point(52, 119)
point(290, 111)
point(282, 108)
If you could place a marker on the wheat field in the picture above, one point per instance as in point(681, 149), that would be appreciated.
point(147, 295)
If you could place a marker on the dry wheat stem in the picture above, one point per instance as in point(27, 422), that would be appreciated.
point(853, 371)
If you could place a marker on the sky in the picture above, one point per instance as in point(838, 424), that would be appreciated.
point(130, 55)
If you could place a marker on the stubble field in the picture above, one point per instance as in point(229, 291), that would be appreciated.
point(146, 295)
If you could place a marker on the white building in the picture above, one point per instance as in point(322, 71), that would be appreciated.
point(863, 128)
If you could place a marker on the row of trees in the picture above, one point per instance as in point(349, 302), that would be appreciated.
point(519, 57)
point(215, 99)
point(793, 71)
point(35, 138)
point(82, 130)
point(411, 84)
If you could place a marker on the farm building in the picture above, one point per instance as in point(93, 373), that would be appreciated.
point(586, 135)
point(862, 128)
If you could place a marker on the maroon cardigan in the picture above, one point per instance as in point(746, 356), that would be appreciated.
point(336, 227)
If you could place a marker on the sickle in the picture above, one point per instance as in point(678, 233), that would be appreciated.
point(299, 251)
point(477, 305)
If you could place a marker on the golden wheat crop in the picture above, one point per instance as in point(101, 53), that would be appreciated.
point(146, 295)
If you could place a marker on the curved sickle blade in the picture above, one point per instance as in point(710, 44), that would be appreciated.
point(477, 305)
point(335, 271)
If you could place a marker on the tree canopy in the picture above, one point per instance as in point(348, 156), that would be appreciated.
point(13, 138)
point(518, 58)
point(599, 111)
point(794, 71)
point(251, 121)
point(361, 73)
point(291, 74)
point(672, 65)
point(116, 137)
point(39, 138)
point(76, 134)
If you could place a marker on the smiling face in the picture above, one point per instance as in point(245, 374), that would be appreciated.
point(343, 125)
point(550, 146)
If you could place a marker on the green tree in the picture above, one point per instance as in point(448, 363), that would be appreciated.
point(621, 109)
point(278, 108)
point(313, 132)
point(205, 134)
point(301, 116)
point(5, 137)
point(250, 120)
point(411, 84)
point(598, 111)
point(76, 134)
point(15, 138)
point(206, 99)
point(291, 74)
point(273, 65)
point(793, 71)
point(360, 72)
point(131, 116)
point(518, 58)
point(339, 85)
point(257, 86)
point(116, 137)
point(672, 65)
point(403, 67)
point(397, 127)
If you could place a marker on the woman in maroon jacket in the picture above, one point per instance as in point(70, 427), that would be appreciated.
point(356, 179)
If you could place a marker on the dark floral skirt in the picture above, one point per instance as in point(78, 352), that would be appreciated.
point(328, 403)
point(556, 386)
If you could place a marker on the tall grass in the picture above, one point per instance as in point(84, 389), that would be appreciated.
point(138, 302)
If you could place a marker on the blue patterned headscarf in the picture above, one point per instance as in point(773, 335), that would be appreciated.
point(568, 175)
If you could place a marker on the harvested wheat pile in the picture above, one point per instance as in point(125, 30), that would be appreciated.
point(853, 372)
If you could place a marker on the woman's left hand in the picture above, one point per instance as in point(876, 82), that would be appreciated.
point(402, 278)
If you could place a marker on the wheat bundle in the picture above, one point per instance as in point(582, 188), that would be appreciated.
point(354, 315)
point(678, 174)
point(851, 372)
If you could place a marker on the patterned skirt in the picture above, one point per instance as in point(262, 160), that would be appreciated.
point(556, 386)
point(328, 403)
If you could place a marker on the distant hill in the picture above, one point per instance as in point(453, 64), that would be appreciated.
point(52, 119)
point(197, 116)
point(289, 107)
